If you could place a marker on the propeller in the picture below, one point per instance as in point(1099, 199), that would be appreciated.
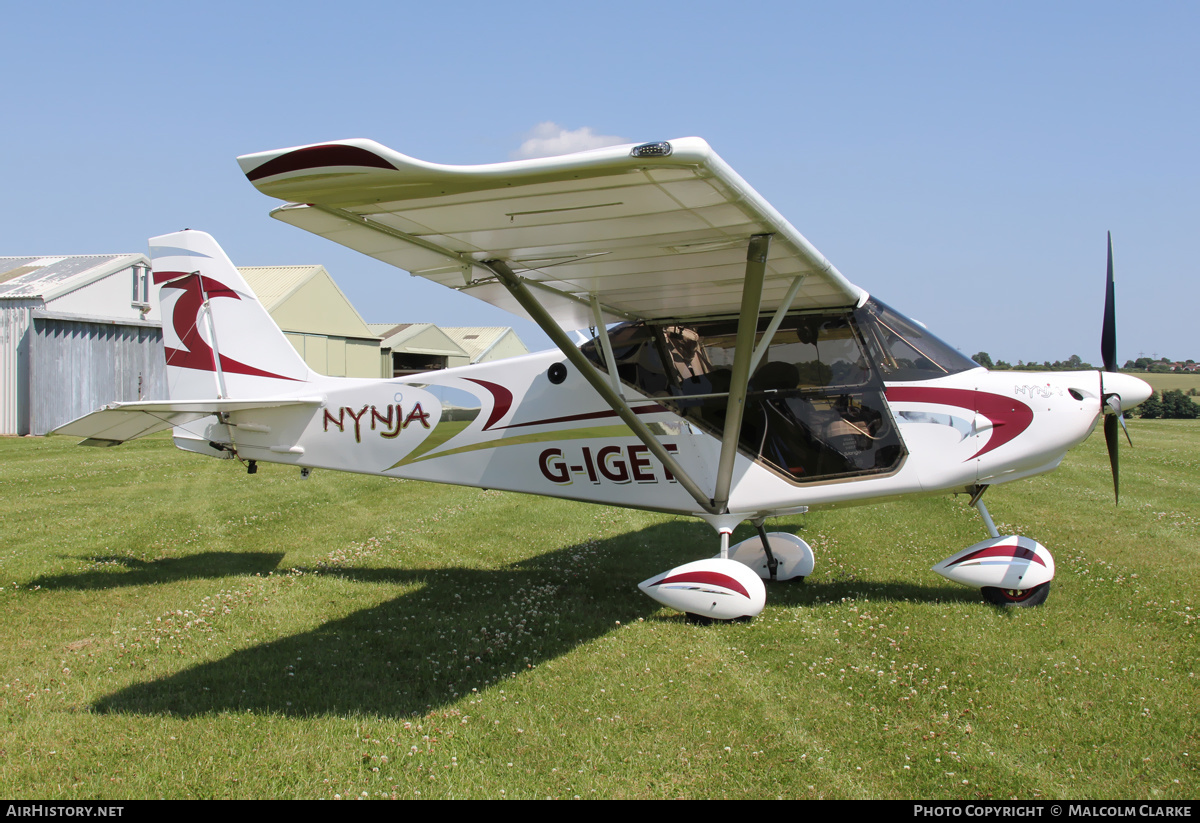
point(1111, 400)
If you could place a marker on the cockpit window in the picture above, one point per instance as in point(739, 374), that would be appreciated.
point(903, 349)
point(814, 408)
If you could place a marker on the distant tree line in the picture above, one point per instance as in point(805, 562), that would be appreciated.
point(1162, 365)
point(1173, 405)
point(1075, 363)
point(1072, 363)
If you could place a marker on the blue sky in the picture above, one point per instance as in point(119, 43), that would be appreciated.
point(962, 161)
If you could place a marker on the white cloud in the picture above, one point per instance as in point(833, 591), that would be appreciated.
point(550, 139)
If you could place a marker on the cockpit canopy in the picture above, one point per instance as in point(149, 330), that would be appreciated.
point(903, 349)
point(815, 408)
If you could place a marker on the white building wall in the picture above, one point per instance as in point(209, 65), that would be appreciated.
point(111, 296)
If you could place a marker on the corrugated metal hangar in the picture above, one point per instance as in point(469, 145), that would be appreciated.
point(76, 332)
point(418, 347)
point(484, 344)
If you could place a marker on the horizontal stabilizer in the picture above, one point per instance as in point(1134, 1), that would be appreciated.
point(118, 422)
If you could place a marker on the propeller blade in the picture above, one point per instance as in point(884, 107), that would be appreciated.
point(1113, 440)
point(1108, 335)
point(1113, 402)
point(1114, 415)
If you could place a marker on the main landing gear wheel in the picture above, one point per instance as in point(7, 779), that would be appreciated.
point(794, 557)
point(1016, 598)
point(693, 619)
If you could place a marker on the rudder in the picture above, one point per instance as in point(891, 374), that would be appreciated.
point(218, 338)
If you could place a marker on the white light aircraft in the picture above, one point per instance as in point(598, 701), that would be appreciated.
point(745, 377)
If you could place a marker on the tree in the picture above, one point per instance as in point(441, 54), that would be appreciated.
point(983, 359)
point(1151, 408)
point(1178, 406)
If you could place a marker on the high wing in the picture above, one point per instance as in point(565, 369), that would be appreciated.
point(657, 231)
point(118, 422)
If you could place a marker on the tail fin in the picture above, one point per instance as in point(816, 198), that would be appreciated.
point(219, 340)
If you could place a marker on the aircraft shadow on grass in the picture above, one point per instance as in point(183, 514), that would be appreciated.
point(205, 565)
point(463, 629)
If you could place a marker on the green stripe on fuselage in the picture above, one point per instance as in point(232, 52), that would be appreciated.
point(422, 454)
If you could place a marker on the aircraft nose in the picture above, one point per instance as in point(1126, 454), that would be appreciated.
point(1133, 390)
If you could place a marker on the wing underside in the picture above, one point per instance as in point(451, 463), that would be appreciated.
point(639, 237)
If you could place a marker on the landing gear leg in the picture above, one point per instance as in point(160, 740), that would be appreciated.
point(1011, 571)
point(775, 555)
point(772, 563)
point(977, 502)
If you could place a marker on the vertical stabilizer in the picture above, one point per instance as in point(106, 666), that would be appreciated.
point(219, 340)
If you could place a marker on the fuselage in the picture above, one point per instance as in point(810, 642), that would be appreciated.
point(509, 425)
point(836, 406)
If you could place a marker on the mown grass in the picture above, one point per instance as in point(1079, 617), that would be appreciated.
point(1172, 382)
point(173, 627)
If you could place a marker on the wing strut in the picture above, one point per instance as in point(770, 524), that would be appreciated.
point(752, 285)
point(529, 303)
point(773, 326)
point(606, 346)
point(745, 357)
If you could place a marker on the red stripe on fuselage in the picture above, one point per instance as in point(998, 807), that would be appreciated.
point(501, 401)
point(1009, 416)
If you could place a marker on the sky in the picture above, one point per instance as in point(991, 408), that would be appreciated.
point(960, 161)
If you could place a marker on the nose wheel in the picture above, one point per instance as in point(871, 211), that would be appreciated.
point(1012, 572)
point(1016, 598)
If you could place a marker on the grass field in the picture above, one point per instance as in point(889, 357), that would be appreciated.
point(1172, 382)
point(172, 627)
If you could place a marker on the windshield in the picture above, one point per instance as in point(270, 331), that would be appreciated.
point(905, 350)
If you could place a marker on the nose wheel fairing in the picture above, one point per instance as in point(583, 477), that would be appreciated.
point(1010, 563)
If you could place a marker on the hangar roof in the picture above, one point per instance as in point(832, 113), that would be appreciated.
point(305, 299)
point(476, 340)
point(51, 277)
point(417, 338)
